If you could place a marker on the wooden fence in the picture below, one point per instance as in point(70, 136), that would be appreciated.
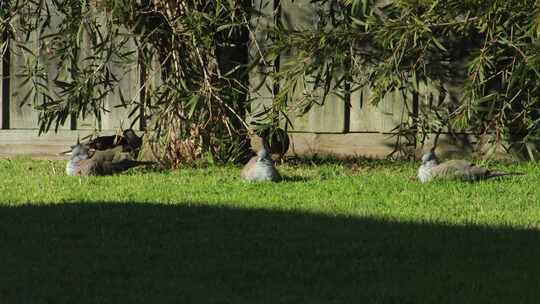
point(342, 127)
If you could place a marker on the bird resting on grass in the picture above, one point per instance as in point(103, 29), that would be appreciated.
point(260, 168)
point(432, 169)
point(85, 161)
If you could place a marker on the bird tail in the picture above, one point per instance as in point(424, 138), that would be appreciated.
point(128, 164)
point(495, 174)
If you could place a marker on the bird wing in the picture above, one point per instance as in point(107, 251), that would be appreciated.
point(102, 142)
point(101, 156)
point(274, 174)
point(106, 167)
point(246, 171)
point(87, 167)
point(460, 170)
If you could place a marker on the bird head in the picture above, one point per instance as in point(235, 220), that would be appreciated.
point(130, 134)
point(133, 141)
point(430, 157)
point(80, 151)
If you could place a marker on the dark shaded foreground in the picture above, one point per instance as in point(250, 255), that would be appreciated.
point(146, 253)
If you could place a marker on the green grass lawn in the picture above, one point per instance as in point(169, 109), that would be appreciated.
point(328, 234)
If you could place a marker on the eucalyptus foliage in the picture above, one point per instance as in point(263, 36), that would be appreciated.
point(461, 66)
point(192, 53)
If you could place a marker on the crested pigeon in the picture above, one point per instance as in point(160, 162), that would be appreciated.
point(463, 170)
point(260, 168)
point(101, 162)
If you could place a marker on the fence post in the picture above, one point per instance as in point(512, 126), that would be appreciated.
point(143, 78)
point(4, 104)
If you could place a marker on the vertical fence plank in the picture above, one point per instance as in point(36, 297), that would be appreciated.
point(129, 84)
point(330, 116)
point(143, 76)
point(21, 112)
point(4, 83)
point(88, 121)
point(261, 87)
point(2, 86)
point(52, 64)
point(384, 117)
point(128, 73)
point(116, 114)
point(151, 79)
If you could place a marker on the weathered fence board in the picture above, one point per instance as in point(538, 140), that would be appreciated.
point(22, 112)
point(384, 117)
point(22, 115)
point(261, 87)
point(118, 114)
point(4, 87)
point(48, 145)
point(330, 116)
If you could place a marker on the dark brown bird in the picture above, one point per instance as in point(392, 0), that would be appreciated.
point(128, 140)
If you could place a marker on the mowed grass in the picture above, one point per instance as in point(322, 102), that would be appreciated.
point(329, 233)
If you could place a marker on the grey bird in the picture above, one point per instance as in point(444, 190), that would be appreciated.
point(260, 168)
point(85, 162)
point(463, 170)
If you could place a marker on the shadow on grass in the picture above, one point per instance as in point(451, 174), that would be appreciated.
point(145, 253)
